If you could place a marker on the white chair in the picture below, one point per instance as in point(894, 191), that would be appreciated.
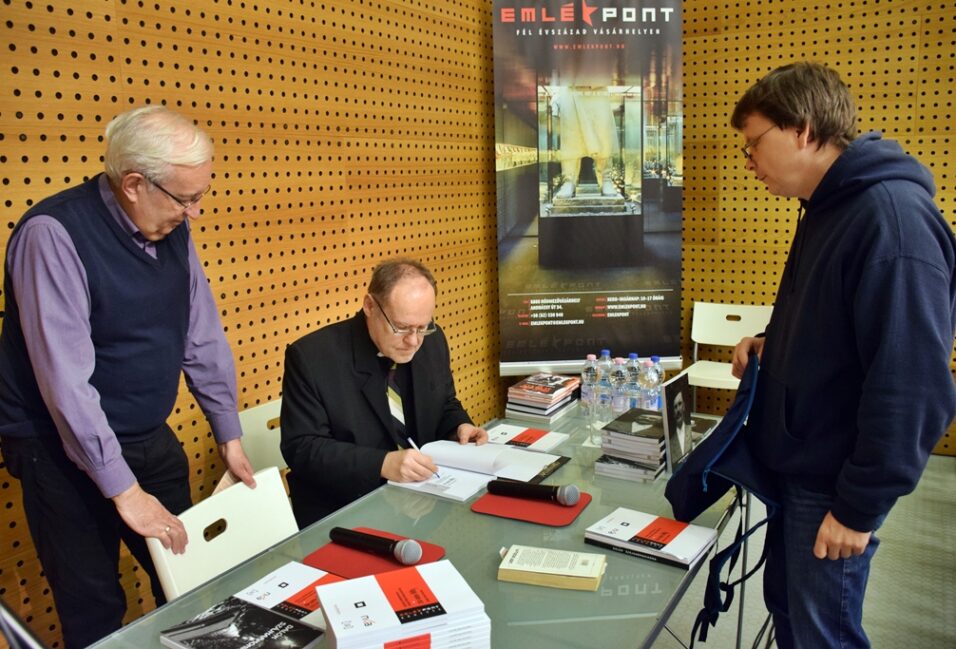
point(261, 435)
point(252, 520)
point(722, 324)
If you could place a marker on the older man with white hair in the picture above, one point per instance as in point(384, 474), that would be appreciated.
point(106, 303)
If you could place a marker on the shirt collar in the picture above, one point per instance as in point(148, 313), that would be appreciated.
point(117, 211)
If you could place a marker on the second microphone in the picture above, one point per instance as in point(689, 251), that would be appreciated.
point(565, 494)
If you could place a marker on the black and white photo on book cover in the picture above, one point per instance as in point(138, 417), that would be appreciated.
point(236, 624)
point(678, 427)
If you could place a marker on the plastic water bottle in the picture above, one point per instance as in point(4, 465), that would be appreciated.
point(660, 381)
point(602, 395)
point(589, 378)
point(619, 398)
point(650, 380)
point(633, 366)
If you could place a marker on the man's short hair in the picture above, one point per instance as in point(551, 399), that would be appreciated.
point(150, 140)
point(388, 273)
point(802, 94)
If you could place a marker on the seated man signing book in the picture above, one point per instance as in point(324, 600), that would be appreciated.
point(357, 393)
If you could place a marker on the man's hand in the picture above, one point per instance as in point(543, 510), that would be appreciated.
point(408, 465)
point(237, 462)
point(146, 516)
point(837, 541)
point(469, 433)
point(742, 353)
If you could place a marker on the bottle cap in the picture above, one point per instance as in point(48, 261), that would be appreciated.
point(591, 357)
point(632, 356)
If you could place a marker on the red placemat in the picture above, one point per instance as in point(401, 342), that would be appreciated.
point(542, 512)
point(350, 563)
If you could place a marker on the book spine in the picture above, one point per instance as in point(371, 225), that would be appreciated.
point(634, 552)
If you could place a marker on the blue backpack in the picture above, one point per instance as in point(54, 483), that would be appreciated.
point(721, 461)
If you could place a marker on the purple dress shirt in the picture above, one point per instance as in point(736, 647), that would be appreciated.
point(54, 300)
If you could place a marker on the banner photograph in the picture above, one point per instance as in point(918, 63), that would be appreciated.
point(589, 171)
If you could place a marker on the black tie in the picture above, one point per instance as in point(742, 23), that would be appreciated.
point(395, 404)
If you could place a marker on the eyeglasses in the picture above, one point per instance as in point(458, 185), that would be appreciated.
point(746, 148)
point(185, 204)
point(430, 328)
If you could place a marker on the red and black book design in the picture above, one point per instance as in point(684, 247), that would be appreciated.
point(409, 595)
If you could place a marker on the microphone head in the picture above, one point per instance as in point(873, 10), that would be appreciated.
point(408, 552)
point(568, 494)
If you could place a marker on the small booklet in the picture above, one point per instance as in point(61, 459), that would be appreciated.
point(533, 439)
point(464, 469)
point(524, 564)
point(279, 610)
point(652, 537)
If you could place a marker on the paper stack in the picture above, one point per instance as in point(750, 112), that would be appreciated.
point(633, 446)
point(428, 605)
point(542, 398)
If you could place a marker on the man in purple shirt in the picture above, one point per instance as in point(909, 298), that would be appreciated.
point(106, 304)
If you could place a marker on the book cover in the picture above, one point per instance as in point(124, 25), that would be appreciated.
point(544, 387)
point(678, 427)
point(533, 439)
point(656, 536)
point(524, 564)
point(238, 624)
point(399, 606)
point(290, 591)
point(637, 423)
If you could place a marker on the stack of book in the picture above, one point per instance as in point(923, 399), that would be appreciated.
point(429, 605)
point(542, 398)
point(633, 445)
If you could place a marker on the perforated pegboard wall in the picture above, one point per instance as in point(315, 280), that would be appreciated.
point(346, 132)
point(897, 58)
point(350, 130)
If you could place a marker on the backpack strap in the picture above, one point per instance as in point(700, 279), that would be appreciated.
point(718, 594)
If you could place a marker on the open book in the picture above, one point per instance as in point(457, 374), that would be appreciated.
point(464, 469)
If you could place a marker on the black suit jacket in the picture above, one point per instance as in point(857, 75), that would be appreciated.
point(336, 426)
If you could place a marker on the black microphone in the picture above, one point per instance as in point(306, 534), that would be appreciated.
point(565, 494)
point(406, 551)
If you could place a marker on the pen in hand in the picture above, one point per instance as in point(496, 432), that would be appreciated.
point(412, 443)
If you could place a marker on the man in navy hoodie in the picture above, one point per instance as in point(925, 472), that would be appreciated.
point(855, 386)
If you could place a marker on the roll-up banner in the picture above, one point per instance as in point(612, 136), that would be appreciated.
point(589, 168)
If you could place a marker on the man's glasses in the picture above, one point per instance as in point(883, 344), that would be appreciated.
point(430, 328)
point(185, 204)
point(747, 147)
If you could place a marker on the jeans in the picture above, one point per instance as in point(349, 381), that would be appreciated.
point(815, 603)
point(77, 531)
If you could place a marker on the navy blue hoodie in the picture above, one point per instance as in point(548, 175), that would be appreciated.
point(855, 386)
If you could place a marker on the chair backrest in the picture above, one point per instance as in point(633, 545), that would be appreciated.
point(261, 435)
point(252, 520)
point(726, 324)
